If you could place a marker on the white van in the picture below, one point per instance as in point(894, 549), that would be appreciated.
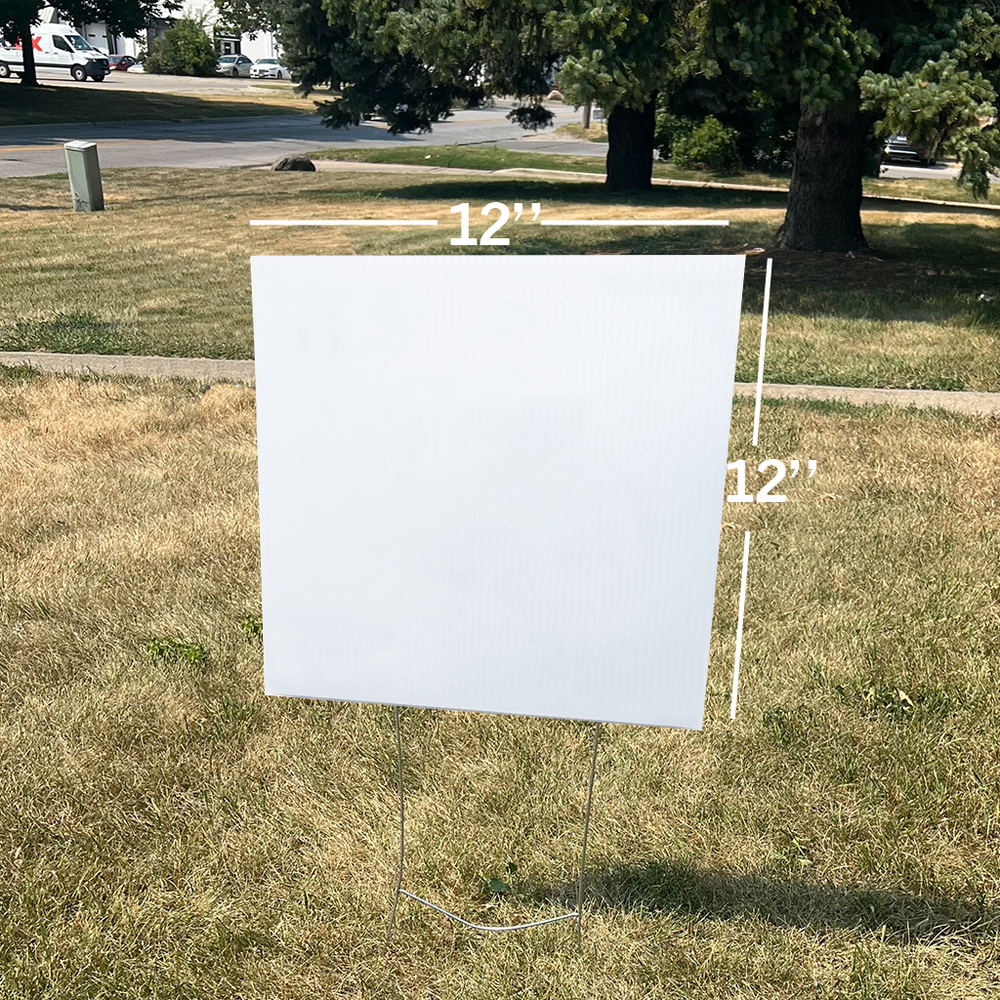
point(57, 46)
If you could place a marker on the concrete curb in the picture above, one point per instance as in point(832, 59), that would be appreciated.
point(980, 404)
point(204, 369)
point(976, 404)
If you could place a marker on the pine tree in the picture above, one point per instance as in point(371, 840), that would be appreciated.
point(410, 61)
point(825, 49)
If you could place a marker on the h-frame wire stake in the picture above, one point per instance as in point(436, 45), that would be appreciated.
point(577, 914)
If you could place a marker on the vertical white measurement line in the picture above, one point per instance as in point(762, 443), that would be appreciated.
point(760, 360)
point(739, 622)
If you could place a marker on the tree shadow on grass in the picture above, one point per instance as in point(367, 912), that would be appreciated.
point(497, 187)
point(50, 105)
point(528, 189)
point(36, 208)
point(921, 271)
point(679, 888)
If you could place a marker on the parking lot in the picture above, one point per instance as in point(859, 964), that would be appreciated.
point(161, 83)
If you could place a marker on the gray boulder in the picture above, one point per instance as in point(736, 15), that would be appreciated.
point(293, 162)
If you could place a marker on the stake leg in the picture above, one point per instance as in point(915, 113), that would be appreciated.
point(400, 891)
point(402, 823)
point(586, 834)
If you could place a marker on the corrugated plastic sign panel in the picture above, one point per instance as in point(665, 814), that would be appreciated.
point(494, 483)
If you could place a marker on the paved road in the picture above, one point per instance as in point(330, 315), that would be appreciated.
point(235, 142)
point(189, 86)
point(33, 150)
point(223, 85)
point(209, 369)
point(948, 171)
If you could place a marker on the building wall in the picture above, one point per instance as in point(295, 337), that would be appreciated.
point(263, 46)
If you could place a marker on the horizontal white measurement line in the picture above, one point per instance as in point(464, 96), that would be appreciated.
point(635, 222)
point(343, 222)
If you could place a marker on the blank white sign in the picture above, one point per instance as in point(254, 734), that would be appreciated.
point(494, 483)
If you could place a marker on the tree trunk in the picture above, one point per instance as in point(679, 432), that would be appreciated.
point(630, 148)
point(824, 198)
point(30, 77)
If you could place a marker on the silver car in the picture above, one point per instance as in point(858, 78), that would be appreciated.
point(234, 65)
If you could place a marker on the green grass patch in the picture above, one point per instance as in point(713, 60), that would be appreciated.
point(177, 651)
point(44, 105)
point(932, 189)
point(15, 374)
point(252, 626)
point(72, 333)
point(486, 157)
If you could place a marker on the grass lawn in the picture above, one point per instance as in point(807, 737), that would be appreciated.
point(485, 157)
point(495, 158)
point(167, 831)
point(931, 189)
point(165, 270)
point(43, 105)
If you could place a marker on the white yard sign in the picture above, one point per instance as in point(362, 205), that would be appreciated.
point(494, 483)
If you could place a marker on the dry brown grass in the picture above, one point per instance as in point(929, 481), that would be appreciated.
point(598, 131)
point(167, 831)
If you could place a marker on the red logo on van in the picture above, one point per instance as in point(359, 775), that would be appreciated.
point(36, 44)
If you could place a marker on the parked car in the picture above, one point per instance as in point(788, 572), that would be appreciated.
point(898, 147)
point(121, 63)
point(57, 46)
point(268, 69)
point(234, 65)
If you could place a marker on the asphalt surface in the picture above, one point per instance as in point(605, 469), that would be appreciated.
point(190, 86)
point(32, 150)
point(948, 171)
point(213, 370)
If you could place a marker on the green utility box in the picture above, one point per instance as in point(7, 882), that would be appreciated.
point(84, 176)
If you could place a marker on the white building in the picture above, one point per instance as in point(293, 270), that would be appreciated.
point(262, 46)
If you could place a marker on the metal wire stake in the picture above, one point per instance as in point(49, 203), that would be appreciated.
point(400, 891)
point(402, 823)
point(586, 833)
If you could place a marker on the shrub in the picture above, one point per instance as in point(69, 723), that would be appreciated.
point(710, 146)
point(765, 122)
point(669, 129)
point(183, 50)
